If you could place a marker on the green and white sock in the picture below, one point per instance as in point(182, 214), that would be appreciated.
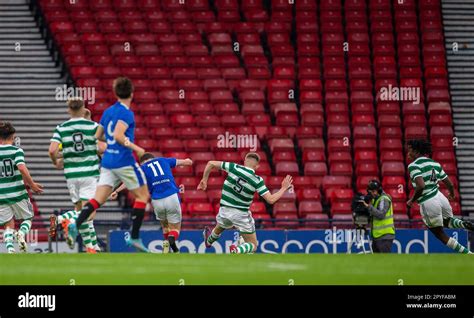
point(93, 235)
point(25, 227)
point(213, 237)
point(453, 244)
point(245, 248)
point(86, 235)
point(8, 239)
point(67, 216)
point(455, 223)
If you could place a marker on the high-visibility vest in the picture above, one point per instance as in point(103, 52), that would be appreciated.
point(383, 226)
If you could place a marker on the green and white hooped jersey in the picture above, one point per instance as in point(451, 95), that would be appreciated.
point(77, 136)
point(12, 187)
point(432, 173)
point(240, 186)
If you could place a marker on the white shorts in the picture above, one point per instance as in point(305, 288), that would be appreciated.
point(230, 217)
point(82, 189)
point(132, 176)
point(22, 210)
point(435, 210)
point(168, 209)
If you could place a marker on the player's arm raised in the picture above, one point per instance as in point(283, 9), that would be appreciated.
point(285, 185)
point(119, 136)
point(207, 171)
point(35, 187)
point(420, 185)
point(53, 154)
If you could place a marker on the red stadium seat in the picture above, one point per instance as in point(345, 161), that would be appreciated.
point(191, 196)
point(315, 169)
point(286, 167)
point(309, 207)
point(284, 207)
point(393, 168)
point(316, 220)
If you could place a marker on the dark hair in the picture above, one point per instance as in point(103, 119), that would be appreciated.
point(123, 87)
point(253, 155)
point(146, 156)
point(6, 130)
point(375, 185)
point(421, 146)
point(75, 104)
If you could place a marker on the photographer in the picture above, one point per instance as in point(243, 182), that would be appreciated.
point(381, 218)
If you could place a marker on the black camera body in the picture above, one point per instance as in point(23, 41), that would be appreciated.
point(360, 213)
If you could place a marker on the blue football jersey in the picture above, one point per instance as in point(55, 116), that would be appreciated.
point(159, 177)
point(117, 155)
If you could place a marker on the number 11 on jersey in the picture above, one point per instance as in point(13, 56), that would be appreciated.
point(157, 164)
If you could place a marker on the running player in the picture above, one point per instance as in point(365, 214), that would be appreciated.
point(117, 128)
point(80, 161)
point(164, 195)
point(14, 200)
point(425, 173)
point(237, 196)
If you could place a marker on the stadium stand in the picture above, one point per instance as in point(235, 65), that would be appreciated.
point(306, 79)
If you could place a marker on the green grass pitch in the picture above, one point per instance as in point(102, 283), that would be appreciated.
point(221, 269)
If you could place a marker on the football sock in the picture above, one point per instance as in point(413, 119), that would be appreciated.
point(86, 211)
point(93, 235)
point(244, 248)
point(8, 239)
point(455, 223)
point(84, 230)
point(25, 227)
point(453, 244)
point(172, 237)
point(67, 216)
point(138, 215)
point(213, 237)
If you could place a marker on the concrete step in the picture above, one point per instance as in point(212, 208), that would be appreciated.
point(25, 19)
point(461, 107)
point(11, 93)
point(43, 114)
point(23, 42)
point(52, 103)
point(14, 31)
point(462, 122)
point(17, 24)
point(455, 87)
point(13, 48)
point(460, 80)
point(27, 59)
point(30, 70)
point(31, 75)
point(468, 187)
point(24, 53)
point(32, 87)
point(56, 81)
point(46, 111)
point(29, 65)
point(20, 36)
point(462, 98)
